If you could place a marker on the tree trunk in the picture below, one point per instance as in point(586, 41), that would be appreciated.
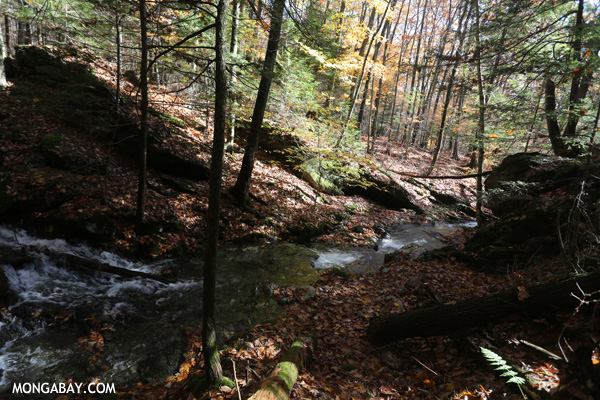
point(278, 384)
point(241, 189)
point(3, 55)
point(119, 40)
point(558, 145)
point(574, 98)
point(408, 128)
point(481, 119)
point(360, 77)
point(438, 146)
point(533, 301)
point(400, 57)
point(233, 50)
point(8, 42)
point(212, 362)
point(143, 150)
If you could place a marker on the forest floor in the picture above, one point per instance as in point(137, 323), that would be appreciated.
point(344, 364)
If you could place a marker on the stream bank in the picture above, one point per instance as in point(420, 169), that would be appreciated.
point(61, 324)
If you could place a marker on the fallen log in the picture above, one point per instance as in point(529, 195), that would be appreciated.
point(278, 384)
point(88, 266)
point(527, 302)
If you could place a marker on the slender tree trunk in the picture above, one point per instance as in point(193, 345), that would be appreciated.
point(438, 146)
point(363, 104)
point(356, 87)
point(365, 41)
point(360, 77)
point(533, 121)
point(400, 58)
point(233, 49)
point(212, 362)
point(241, 189)
point(141, 195)
point(428, 107)
point(461, 103)
point(574, 98)
point(369, 133)
point(8, 43)
point(389, 34)
point(118, 39)
point(558, 145)
point(3, 55)
point(481, 119)
point(414, 95)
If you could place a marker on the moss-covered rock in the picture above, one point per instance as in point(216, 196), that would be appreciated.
point(317, 175)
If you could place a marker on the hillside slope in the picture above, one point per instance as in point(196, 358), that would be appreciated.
point(69, 168)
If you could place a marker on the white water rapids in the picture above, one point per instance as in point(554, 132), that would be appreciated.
point(148, 320)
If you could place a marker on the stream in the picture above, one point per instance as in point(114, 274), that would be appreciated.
point(53, 308)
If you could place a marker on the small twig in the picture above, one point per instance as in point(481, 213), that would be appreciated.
point(538, 348)
point(235, 379)
point(582, 302)
point(425, 366)
point(255, 373)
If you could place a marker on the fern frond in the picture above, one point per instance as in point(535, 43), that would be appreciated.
point(497, 360)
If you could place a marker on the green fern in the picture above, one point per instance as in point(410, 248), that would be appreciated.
point(501, 364)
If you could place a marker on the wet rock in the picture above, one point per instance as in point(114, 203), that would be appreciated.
point(412, 251)
point(359, 229)
point(310, 293)
point(149, 359)
point(380, 230)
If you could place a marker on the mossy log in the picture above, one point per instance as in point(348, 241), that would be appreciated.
point(545, 299)
point(278, 384)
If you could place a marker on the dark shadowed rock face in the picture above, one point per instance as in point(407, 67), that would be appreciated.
point(533, 196)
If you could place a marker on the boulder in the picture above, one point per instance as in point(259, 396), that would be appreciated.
point(330, 174)
point(522, 167)
point(173, 164)
point(532, 196)
point(412, 251)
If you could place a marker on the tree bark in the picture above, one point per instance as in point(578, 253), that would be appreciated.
point(533, 301)
point(558, 145)
point(143, 150)
point(3, 55)
point(212, 362)
point(400, 58)
point(233, 50)
point(481, 119)
point(118, 40)
point(241, 189)
point(414, 94)
point(278, 384)
point(574, 98)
